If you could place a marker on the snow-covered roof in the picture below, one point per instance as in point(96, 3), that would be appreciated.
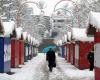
point(94, 19)
point(59, 42)
point(19, 32)
point(69, 35)
point(80, 34)
point(8, 27)
point(24, 35)
point(64, 39)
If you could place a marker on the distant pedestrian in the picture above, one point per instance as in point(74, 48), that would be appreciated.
point(91, 60)
point(51, 58)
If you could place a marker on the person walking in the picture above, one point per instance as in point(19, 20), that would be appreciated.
point(91, 60)
point(51, 58)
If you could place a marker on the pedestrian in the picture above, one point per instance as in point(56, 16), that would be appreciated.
point(51, 58)
point(91, 60)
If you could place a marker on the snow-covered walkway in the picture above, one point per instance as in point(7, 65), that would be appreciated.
point(37, 69)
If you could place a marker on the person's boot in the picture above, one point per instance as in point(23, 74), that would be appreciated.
point(50, 69)
point(91, 68)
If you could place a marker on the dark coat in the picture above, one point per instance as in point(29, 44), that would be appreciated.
point(91, 57)
point(50, 57)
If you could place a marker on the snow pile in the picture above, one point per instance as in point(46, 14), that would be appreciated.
point(94, 19)
point(19, 32)
point(8, 27)
point(60, 42)
point(24, 35)
point(80, 34)
point(64, 39)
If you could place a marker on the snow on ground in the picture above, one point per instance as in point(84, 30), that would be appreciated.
point(37, 69)
point(29, 71)
point(32, 69)
point(73, 73)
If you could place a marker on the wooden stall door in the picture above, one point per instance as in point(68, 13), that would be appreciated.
point(77, 55)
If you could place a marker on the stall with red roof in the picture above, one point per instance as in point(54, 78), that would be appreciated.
point(68, 53)
point(15, 47)
point(83, 45)
point(94, 30)
point(21, 46)
point(14, 50)
point(64, 40)
point(72, 53)
point(69, 47)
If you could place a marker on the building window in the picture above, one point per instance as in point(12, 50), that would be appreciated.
point(59, 26)
point(60, 20)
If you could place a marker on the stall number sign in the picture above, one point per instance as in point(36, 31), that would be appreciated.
point(7, 51)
